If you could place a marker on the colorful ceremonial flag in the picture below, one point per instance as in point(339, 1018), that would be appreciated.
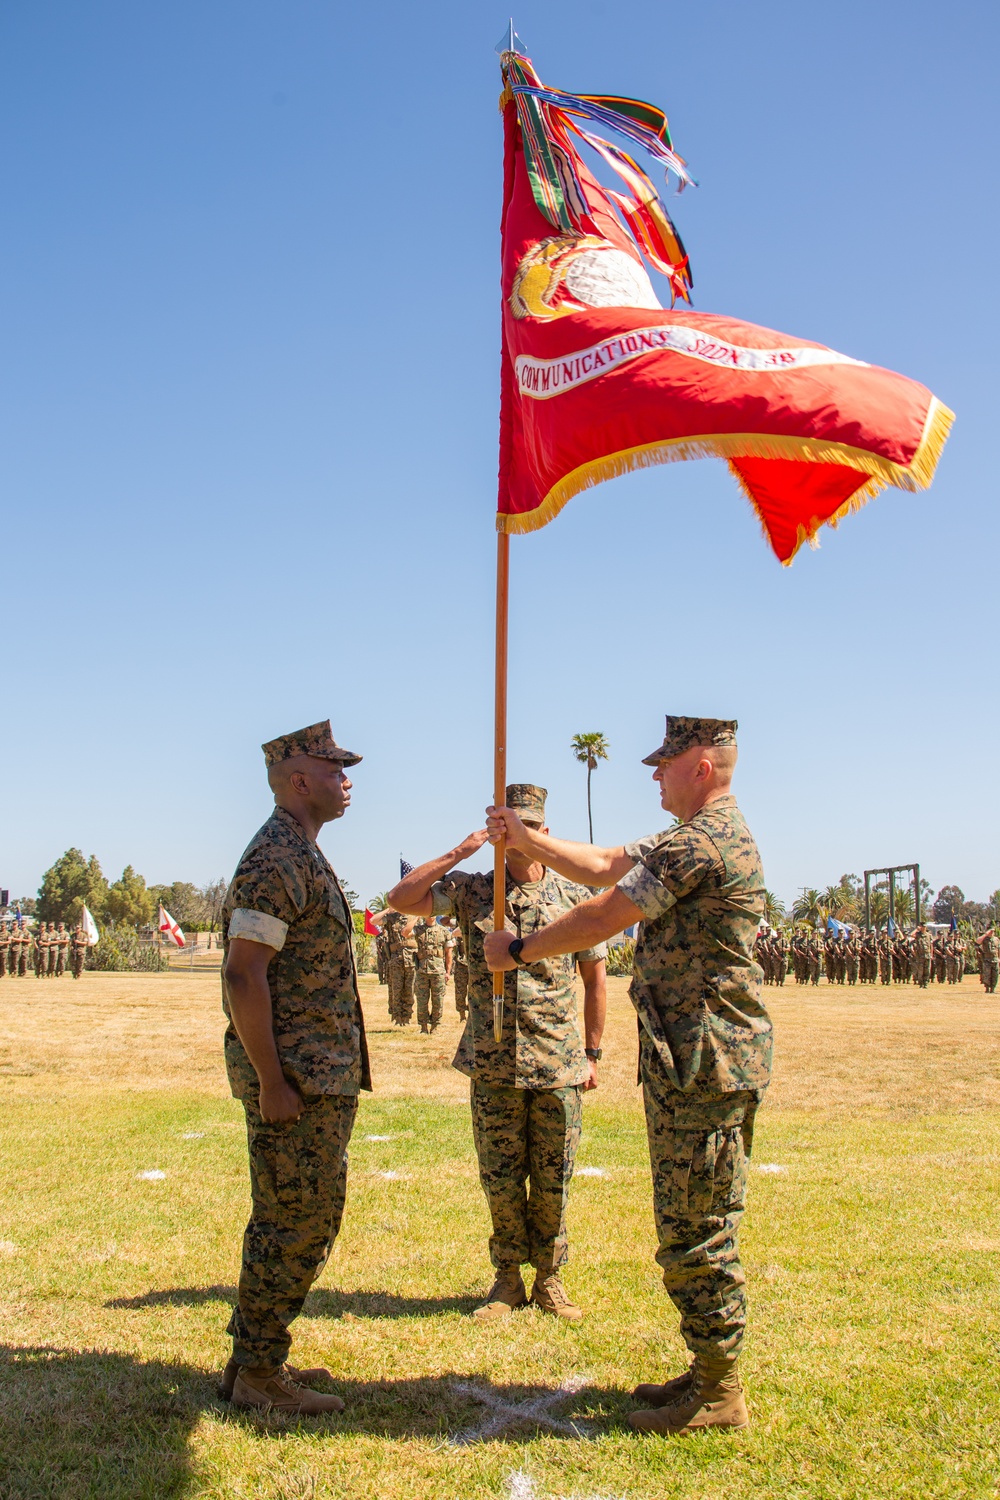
point(404, 867)
point(598, 379)
point(90, 927)
point(370, 928)
point(169, 927)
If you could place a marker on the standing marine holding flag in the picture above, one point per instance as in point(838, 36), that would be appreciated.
point(597, 379)
point(527, 1084)
point(704, 1036)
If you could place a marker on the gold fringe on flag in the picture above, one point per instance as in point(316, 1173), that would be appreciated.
point(916, 475)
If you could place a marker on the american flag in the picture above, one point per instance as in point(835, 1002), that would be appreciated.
point(405, 868)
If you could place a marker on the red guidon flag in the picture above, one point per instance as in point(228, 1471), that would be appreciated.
point(170, 928)
point(598, 378)
point(371, 930)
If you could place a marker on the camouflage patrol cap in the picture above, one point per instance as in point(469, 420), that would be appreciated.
point(682, 733)
point(527, 801)
point(315, 740)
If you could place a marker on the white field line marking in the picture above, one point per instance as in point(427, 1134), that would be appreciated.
point(590, 1172)
point(378, 1137)
point(521, 1486)
point(537, 1410)
point(771, 1167)
point(155, 1175)
point(391, 1176)
point(192, 1135)
point(7, 1247)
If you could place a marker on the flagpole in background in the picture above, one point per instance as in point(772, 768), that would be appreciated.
point(500, 761)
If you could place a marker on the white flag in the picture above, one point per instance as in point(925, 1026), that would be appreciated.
point(89, 927)
point(170, 927)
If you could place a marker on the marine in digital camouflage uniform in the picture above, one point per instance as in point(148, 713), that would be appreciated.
point(402, 958)
point(286, 921)
point(921, 953)
point(62, 947)
point(41, 953)
point(460, 972)
point(24, 945)
point(989, 960)
point(431, 974)
point(526, 1089)
point(705, 1040)
point(79, 946)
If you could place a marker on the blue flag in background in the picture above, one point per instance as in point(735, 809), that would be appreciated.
point(890, 927)
point(839, 929)
point(954, 922)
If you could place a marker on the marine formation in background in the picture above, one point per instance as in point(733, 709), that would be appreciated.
point(46, 949)
point(856, 957)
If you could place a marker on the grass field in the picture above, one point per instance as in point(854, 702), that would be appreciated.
point(872, 1244)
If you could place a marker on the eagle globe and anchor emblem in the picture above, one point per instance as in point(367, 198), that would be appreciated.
point(569, 273)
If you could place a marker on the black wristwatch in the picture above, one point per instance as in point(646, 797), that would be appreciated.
point(594, 1053)
point(514, 951)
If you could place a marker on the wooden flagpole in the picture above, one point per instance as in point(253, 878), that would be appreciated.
point(500, 761)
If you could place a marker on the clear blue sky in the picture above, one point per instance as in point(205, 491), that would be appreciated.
point(249, 354)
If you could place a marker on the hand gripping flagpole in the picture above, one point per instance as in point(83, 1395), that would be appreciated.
point(500, 764)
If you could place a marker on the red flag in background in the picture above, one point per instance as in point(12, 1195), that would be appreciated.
point(169, 927)
point(598, 378)
point(370, 929)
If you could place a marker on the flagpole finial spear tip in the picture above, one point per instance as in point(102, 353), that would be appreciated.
point(510, 42)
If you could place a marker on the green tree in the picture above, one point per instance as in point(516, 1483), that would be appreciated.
point(182, 900)
point(774, 910)
point(128, 901)
point(808, 907)
point(588, 750)
point(379, 902)
point(949, 903)
point(69, 885)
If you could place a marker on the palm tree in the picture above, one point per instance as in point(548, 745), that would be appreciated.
point(379, 902)
point(841, 901)
point(774, 910)
point(809, 907)
point(589, 749)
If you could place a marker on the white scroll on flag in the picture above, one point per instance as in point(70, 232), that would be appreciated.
point(170, 927)
point(89, 927)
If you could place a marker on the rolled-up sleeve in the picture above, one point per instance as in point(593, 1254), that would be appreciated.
point(667, 869)
point(258, 927)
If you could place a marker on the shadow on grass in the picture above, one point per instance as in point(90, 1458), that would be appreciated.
point(322, 1302)
point(93, 1425)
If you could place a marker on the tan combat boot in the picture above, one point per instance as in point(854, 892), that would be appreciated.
point(506, 1293)
point(301, 1377)
point(275, 1390)
point(662, 1395)
point(549, 1294)
point(714, 1398)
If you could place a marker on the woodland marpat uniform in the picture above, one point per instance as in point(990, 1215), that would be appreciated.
point(285, 894)
point(525, 1096)
point(704, 1055)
